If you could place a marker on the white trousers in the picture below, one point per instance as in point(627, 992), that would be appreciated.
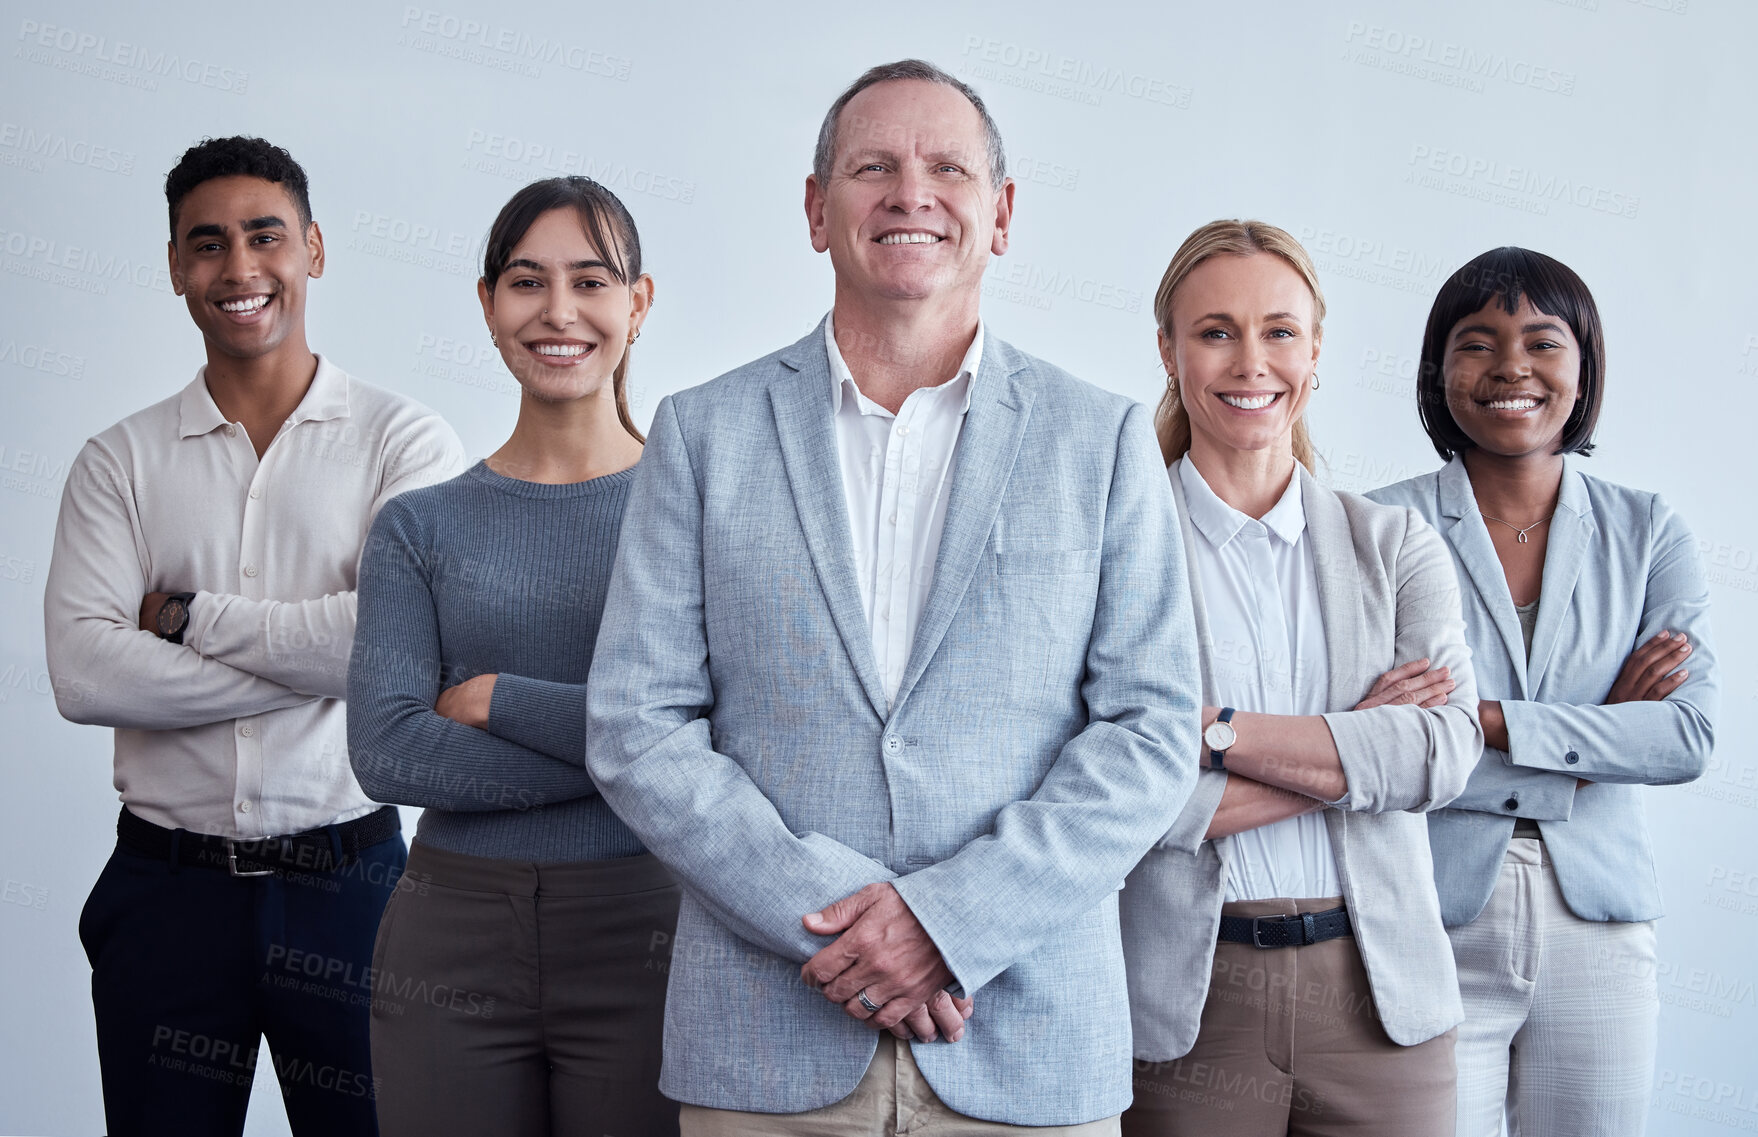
point(1561, 1013)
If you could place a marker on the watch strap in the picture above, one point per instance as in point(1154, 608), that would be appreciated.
point(1218, 758)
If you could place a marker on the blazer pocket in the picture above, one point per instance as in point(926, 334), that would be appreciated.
point(1046, 562)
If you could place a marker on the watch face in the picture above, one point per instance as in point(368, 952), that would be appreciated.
point(173, 614)
point(1219, 735)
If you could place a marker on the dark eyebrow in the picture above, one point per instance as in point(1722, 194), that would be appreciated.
point(577, 266)
point(1525, 329)
point(255, 224)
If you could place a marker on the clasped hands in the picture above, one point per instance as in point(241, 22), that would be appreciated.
point(883, 952)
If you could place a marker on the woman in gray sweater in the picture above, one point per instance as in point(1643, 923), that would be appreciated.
point(520, 969)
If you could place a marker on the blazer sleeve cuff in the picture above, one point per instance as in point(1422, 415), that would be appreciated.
point(1536, 794)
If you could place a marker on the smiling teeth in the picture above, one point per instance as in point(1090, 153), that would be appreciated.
point(244, 306)
point(560, 349)
point(908, 239)
point(1512, 404)
point(1248, 402)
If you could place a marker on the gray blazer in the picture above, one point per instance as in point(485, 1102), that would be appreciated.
point(1043, 736)
point(1620, 566)
point(1387, 595)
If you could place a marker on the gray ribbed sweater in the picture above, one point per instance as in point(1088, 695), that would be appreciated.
point(483, 574)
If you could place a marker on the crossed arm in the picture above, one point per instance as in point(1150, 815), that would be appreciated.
point(1288, 769)
point(301, 646)
point(106, 671)
point(412, 743)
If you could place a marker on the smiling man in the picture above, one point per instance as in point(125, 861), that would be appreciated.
point(201, 602)
point(897, 674)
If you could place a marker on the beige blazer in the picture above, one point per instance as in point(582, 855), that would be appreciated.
point(1388, 594)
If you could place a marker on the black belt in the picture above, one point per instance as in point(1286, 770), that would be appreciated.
point(1285, 931)
point(315, 850)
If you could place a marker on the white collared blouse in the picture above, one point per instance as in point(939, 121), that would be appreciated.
point(1261, 596)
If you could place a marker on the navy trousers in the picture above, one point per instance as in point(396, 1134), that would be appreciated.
point(192, 966)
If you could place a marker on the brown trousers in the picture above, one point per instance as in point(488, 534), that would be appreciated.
point(1290, 1044)
point(523, 999)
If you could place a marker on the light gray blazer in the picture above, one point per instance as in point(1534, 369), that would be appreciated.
point(1044, 734)
point(1386, 596)
point(1619, 567)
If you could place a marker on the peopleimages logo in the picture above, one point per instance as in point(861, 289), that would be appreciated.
point(1066, 76)
point(100, 57)
point(426, 29)
point(1473, 175)
point(48, 144)
point(1384, 44)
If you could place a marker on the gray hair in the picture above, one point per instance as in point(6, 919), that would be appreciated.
point(824, 158)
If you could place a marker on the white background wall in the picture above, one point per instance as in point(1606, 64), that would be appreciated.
point(1397, 139)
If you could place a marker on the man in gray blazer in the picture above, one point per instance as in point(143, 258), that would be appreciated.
point(897, 674)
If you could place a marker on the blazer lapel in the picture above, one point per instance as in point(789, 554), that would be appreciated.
point(801, 400)
point(987, 446)
point(1470, 540)
point(1339, 585)
point(1571, 533)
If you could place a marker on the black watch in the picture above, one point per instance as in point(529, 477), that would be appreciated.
point(1220, 735)
point(174, 616)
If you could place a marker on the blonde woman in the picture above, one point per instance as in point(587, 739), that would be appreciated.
point(1288, 969)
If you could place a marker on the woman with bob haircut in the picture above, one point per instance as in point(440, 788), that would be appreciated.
point(1588, 617)
point(1288, 970)
point(520, 970)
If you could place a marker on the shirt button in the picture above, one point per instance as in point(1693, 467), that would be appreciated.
point(249, 570)
point(1511, 803)
point(243, 807)
point(902, 431)
point(247, 731)
point(1571, 757)
point(255, 492)
point(892, 520)
point(231, 431)
point(893, 744)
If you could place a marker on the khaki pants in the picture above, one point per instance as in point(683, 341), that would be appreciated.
point(1290, 1044)
point(892, 1100)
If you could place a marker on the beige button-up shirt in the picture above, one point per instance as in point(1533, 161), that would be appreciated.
point(238, 731)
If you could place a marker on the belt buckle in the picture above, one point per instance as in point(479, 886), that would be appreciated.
point(232, 844)
point(1257, 929)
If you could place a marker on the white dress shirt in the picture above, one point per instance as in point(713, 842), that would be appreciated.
point(1262, 598)
point(239, 730)
point(896, 477)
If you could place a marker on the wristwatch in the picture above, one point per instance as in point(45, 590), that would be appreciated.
point(1220, 735)
point(174, 616)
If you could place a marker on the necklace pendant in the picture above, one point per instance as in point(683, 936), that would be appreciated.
point(1520, 538)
